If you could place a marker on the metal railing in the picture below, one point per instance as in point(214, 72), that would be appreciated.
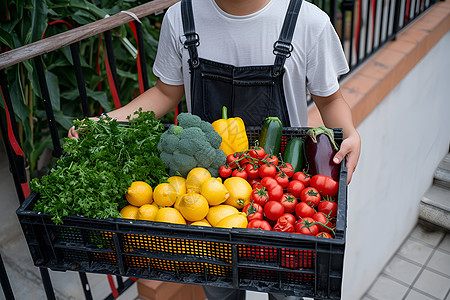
point(364, 26)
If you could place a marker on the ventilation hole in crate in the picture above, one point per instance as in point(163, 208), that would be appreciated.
point(101, 239)
point(104, 258)
point(197, 248)
point(70, 256)
point(258, 275)
point(295, 259)
point(136, 261)
point(257, 253)
point(66, 235)
point(296, 278)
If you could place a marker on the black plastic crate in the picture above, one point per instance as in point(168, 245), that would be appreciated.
point(265, 261)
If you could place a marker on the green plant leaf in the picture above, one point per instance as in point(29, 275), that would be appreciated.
point(16, 94)
point(38, 20)
point(100, 97)
point(39, 148)
point(6, 38)
point(63, 120)
point(53, 90)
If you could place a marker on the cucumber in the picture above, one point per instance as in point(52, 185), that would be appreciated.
point(270, 135)
point(294, 153)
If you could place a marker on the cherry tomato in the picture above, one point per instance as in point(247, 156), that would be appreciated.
point(282, 179)
point(239, 173)
point(253, 181)
point(289, 202)
point(275, 192)
point(295, 187)
point(262, 224)
point(225, 171)
point(255, 216)
point(325, 235)
point(257, 152)
point(328, 207)
point(273, 210)
point(326, 186)
point(288, 169)
point(271, 159)
point(303, 210)
point(323, 219)
point(245, 159)
point(231, 160)
point(268, 182)
point(311, 196)
point(267, 170)
point(283, 225)
point(290, 218)
point(252, 172)
point(306, 226)
point(304, 178)
point(256, 184)
point(260, 196)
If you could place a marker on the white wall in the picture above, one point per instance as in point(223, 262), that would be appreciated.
point(403, 141)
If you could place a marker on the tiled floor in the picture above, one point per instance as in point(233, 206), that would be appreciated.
point(419, 270)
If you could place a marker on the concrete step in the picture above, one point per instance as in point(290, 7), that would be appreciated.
point(434, 208)
point(442, 174)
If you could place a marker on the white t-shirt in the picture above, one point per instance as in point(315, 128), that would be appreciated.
point(314, 64)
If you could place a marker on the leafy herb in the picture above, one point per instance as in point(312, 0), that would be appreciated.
point(93, 176)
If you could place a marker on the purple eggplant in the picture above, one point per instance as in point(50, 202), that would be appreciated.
point(320, 149)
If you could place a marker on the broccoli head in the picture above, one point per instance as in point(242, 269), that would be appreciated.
point(187, 120)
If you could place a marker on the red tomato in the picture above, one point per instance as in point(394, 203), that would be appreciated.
point(253, 181)
point(245, 158)
point(262, 224)
point(283, 225)
point(295, 187)
point(255, 216)
point(328, 207)
point(225, 171)
point(288, 169)
point(304, 178)
point(290, 218)
point(267, 170)
point(275, 192)
point(326, 186)
point(273, 210)
point(303, 210)
point(311, 196)
point(306, 226)
point(324, 235)
point(289, 202)
point(231, 160)
point(282, 179)
point(268, 182)
point(271, 159)
point(256, 184)
point(260, 196)
point(257, 152)
point(252, 172)
point(239, 173)
point(323, 219)
point(252, 207)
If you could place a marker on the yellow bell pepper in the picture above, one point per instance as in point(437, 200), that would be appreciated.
point(232, 131)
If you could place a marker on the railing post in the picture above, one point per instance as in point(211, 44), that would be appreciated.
point(395, 28)
point(7, 290)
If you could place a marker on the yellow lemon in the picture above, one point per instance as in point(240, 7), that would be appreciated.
point(193, 207)
point(147, 212)
point(214, 191)
point(165, 194)
point(139, 193)
point(195, 179)
point(169, 215)
point(179, 183)
point(176, 205)
point(235, 220)
point(240, 191)
point(217, 213)
point(129, 212)
point(202, 222)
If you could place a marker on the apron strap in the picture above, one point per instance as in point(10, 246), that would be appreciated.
point(283, 47)
point(192, 38)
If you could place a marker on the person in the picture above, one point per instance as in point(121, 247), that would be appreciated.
point(259, 58)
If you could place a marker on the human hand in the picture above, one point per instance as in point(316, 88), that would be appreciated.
point(350, 149)
point(73, 133)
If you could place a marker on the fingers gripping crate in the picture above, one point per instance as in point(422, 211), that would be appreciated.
point(265, 261)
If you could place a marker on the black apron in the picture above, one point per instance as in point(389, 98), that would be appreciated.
point(252, 93)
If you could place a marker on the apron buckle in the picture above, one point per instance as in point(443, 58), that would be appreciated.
point(283, 48)
point(191, 39)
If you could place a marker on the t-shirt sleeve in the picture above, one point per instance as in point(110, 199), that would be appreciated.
point(168, 64)
point(325, 62)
